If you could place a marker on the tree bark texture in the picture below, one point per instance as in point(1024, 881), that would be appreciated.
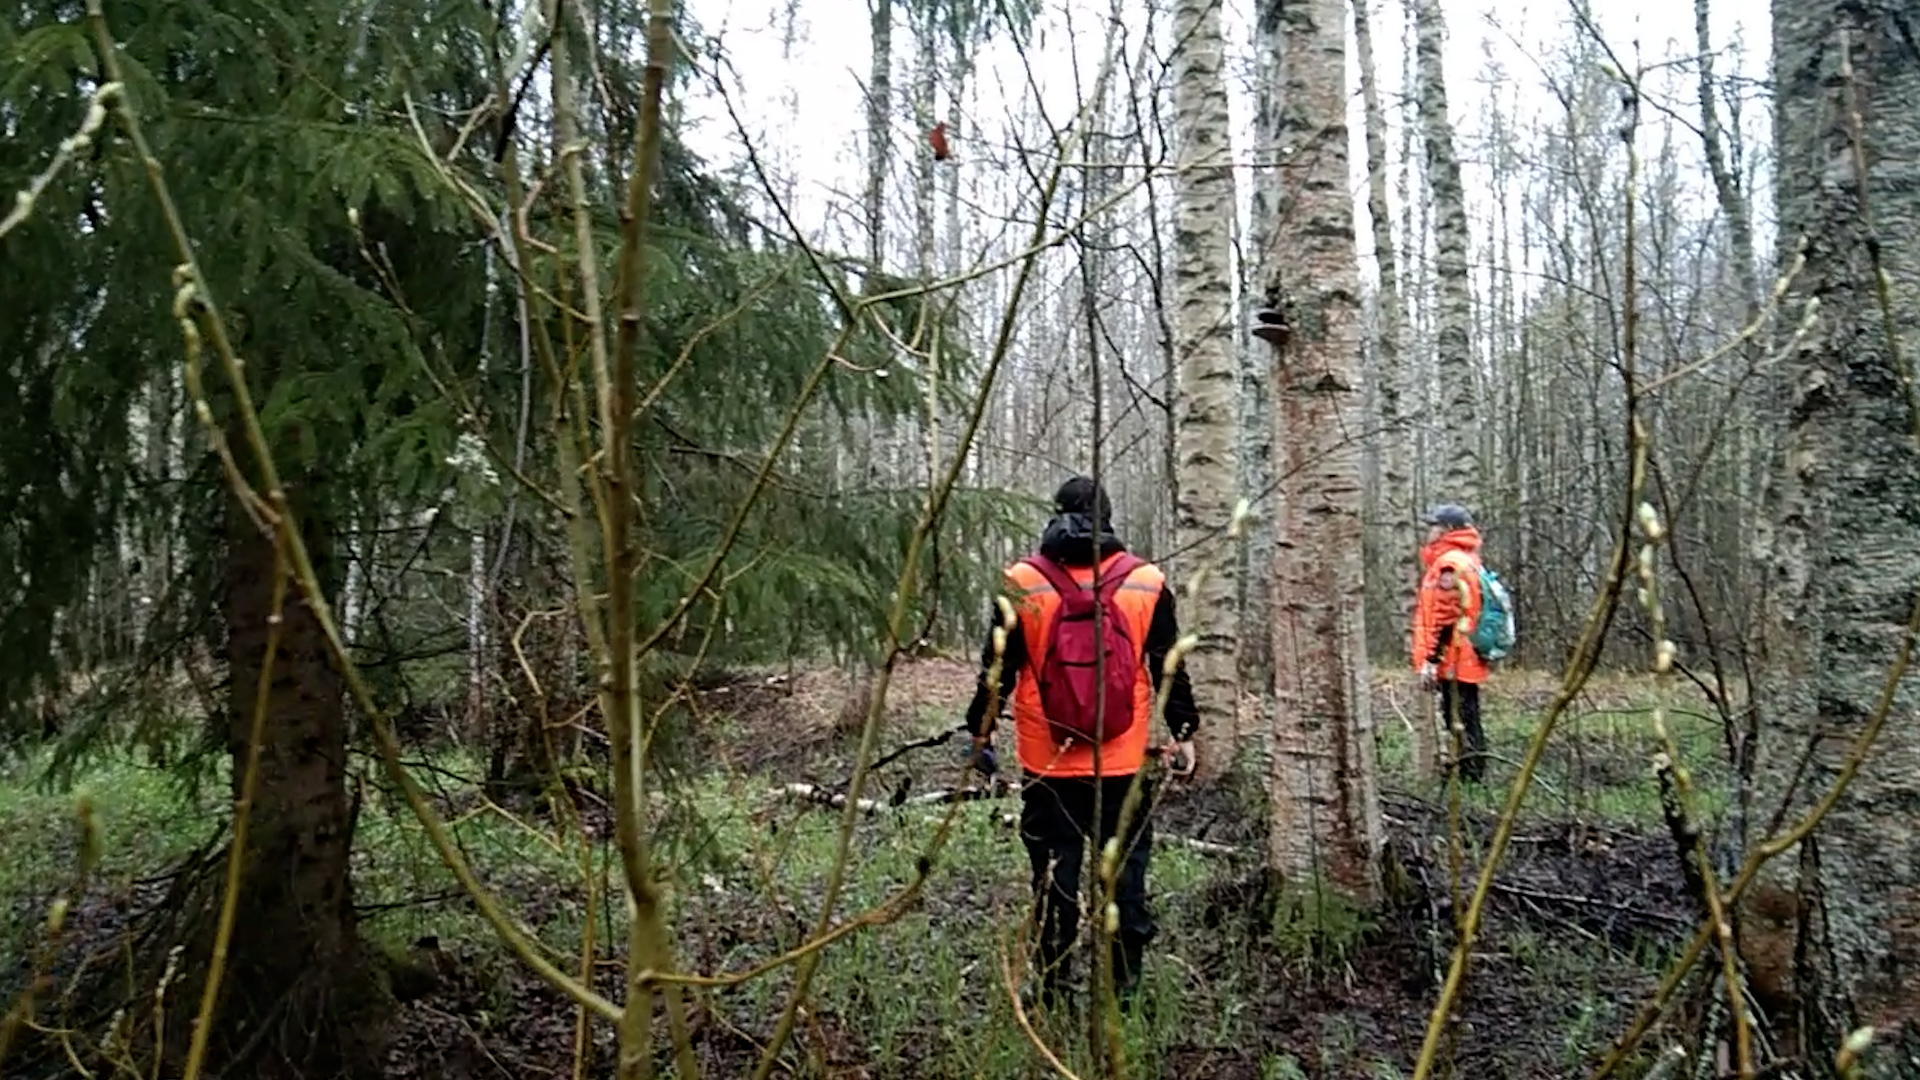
point(926, 85)
point(1847, 543)
point(1256, 410)
point(1459, 433)
point(1755, 416)
point(1393, 549)
point(1325, 823)
point(879, 132)
point(298, 973)
point(1206, 415)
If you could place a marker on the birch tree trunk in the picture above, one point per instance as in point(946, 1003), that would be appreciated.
point(1458, 428)
point(1325, 824)
point(1726, 186)
point(357, 592)
point(1847, 561)
point(156, 548)
point(960, 75)
point(478, 660)
point(1393, 550)
point(1206, 414)
point(1750, 427)
point(479, 663)
point(1415, 276)
point(879, 131)
point(1256, 405)
point(926, 84)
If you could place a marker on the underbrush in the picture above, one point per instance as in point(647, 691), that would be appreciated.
point(1240, 985)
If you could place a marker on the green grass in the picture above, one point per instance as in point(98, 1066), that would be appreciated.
point(145, 820)
point(1598, 766)
point(941, 996)
point(922, 996)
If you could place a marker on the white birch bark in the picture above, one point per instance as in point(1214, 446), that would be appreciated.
point(1325, 822)
point(477, 651)
point(1394, 542)
point(1457, 424)
point(1256, 403)
point(926, 83)
point(879, 130)
point(1205, 415)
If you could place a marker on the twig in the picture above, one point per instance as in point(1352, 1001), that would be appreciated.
point(242, 817)
point(1676, 796)
point(1590, 902)
point(1586, 655)
point(896, 623)
point(1007, 954)
point(814, 793)
point(1863, 743)
point(1203, 847)
point(25, 200)
point(614, 377)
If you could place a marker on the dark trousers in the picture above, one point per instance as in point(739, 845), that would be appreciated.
point(1465, 698)
point(1056, 817)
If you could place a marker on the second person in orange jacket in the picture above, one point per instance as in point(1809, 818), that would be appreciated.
point(1445, 610)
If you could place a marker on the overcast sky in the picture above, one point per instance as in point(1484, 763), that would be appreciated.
point(803, 100)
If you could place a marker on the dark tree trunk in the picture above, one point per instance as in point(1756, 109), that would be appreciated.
point(301, 991)
point(1846, 550)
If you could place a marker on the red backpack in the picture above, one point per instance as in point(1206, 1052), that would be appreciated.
point(1071, 686)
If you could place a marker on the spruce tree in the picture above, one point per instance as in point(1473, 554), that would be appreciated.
point(356, 282)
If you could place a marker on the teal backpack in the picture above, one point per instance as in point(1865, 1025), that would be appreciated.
point(1493, 633)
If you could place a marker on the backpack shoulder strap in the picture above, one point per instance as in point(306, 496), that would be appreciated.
point(1117, 574)
point(1057, 576)
point(1071, 591)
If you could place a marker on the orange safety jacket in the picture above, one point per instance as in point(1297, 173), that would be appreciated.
point(1450, 599)
point(1036, 604)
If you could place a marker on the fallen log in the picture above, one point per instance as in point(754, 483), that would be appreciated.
point(1204, 847)
point(825, 796)
point(814, 793)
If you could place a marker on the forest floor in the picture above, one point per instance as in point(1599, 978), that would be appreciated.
point(1585, 910)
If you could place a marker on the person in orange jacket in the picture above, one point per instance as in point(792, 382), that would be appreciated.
point(1058, 774)
point(1445, 610)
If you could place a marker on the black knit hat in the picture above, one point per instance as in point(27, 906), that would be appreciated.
point(1081, 495)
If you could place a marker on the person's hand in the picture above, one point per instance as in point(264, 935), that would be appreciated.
point(1429, 677)
point(981, 758)
point(1184, 760)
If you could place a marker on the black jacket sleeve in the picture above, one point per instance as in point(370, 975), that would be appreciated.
point(1010, 666)
point(1183, 716)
